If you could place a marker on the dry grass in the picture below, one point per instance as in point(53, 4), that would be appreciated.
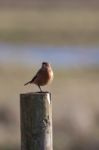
point(75, 103)
point(52, 26)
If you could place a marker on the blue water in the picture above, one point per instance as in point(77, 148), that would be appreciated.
point(72, 56)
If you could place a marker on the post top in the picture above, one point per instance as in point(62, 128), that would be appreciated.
point(36, 93)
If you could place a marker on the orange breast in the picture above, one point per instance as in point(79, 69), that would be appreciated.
point(44, 77)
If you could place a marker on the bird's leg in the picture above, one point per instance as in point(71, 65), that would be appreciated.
point(40, 88)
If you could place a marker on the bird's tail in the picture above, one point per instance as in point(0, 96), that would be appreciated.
point(27, 83)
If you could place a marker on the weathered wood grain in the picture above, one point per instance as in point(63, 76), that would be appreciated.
point(36, 121)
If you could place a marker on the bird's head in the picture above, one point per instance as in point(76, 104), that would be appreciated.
point(45, 64)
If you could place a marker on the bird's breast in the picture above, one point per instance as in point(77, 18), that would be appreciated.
point(45, 77)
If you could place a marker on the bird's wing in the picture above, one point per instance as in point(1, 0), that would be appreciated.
point(33, 78)
point(37, 75)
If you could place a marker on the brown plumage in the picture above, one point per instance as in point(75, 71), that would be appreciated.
point(43, 76)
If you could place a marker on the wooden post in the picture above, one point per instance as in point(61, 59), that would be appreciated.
point(36, 121)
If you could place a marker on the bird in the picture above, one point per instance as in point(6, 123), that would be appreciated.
point(43, 76)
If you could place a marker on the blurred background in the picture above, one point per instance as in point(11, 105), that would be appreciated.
point(66, 34)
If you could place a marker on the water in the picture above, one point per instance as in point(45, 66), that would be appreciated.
point(59, 56)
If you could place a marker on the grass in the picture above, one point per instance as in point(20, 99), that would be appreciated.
point(52, 26)
point(9, 147)
point(75, 104)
